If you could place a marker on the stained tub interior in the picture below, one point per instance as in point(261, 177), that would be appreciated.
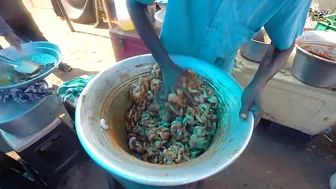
point(117, 103)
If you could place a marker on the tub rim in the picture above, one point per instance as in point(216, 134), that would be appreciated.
point(143, 179)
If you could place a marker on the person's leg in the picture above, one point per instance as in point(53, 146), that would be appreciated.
point(29, 28)
point(26, 28)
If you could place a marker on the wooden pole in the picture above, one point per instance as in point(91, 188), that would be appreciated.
point(60, 5)
point(107, 12)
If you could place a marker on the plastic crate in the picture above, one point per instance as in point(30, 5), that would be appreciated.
point(323, 26)
point(332, 19)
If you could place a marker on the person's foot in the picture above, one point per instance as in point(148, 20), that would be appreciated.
point(64, 67)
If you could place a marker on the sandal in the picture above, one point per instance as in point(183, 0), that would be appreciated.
point(65, 67)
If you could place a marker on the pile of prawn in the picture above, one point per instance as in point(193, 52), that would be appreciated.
point(174, 131)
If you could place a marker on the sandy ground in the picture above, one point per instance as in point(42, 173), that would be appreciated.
point(271, 161)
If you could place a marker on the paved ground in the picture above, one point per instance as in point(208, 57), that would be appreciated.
point(276, 162)
point(271, 161)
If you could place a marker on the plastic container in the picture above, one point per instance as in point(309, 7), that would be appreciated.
point(20, 119)
point(124, 20)
point(332, 19)
point(323, 26)
point(106, 97)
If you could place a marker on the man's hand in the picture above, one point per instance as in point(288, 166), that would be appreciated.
point(13, 40)
point(271, 63)
point(171, 74)
point(251, 101)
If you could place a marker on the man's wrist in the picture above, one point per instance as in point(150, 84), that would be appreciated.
point(167, 63)
point(259, 81)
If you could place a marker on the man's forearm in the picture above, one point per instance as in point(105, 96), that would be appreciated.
point(147, 33)
point(4, 27)
point(271, 64)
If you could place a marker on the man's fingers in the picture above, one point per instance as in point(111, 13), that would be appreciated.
point(20, 40)
point(187, 94)
point(244, 109)
point(18, 46)
point(164, 92)
point(257, 112)
point(14, 40)
point(257, 118)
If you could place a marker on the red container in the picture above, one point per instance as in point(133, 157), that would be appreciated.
point(126, 44)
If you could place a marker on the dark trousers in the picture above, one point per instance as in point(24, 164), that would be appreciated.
point(26, 28)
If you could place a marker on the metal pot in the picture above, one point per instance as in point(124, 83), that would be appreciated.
point(315, 60)
point(106, 97)
point(25, 119)
point(256, 48)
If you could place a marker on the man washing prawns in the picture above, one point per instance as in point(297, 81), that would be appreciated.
point(213, 30)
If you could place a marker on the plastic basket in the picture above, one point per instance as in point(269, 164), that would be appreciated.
point(332, 19)
point(323, 26)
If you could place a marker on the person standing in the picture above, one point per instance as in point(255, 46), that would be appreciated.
point(214, 30)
